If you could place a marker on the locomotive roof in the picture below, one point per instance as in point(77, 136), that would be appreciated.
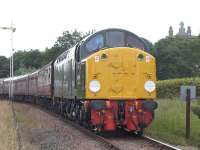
point(146, 47)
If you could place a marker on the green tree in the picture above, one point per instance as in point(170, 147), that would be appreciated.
point(27, 60)
point(4, 67)
point(50, 54)
point(64, 42)
point(18, 59)
point(177, 57)
point(69, 39)
point(23, 70)
point(33, 59)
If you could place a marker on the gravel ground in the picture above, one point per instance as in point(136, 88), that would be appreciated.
point(8, 134)
point(41, 131)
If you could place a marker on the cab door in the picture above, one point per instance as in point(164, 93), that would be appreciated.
point(79, 74)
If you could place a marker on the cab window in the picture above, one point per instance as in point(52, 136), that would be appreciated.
point(95, 43)
point(115, 39)
point(132, 41)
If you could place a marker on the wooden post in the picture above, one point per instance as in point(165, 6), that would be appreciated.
point(188, 114)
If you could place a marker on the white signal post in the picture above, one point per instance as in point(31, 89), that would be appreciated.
point(12, 29)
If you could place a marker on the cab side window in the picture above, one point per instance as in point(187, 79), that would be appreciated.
point(95, 43)
point(92, 45)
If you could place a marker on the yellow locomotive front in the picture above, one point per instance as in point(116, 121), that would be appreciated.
point(120, 74)
point(120, 81)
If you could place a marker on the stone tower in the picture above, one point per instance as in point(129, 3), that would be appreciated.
point(182, 30)
point(171, 32)
point(189, 32)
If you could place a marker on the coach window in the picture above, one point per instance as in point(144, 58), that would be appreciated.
point(115, 39)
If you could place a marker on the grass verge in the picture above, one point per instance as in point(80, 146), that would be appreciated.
point(169, 123)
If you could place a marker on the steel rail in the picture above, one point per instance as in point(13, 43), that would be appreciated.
point(161, 144)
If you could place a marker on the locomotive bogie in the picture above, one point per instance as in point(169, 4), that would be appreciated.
point(108, 115)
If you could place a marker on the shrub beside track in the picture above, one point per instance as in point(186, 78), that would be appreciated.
point(171, 88)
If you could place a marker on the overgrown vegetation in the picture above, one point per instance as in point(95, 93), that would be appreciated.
point(169, 123)
point(171, 88)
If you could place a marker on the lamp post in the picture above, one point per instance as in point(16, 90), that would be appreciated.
point(12, 29)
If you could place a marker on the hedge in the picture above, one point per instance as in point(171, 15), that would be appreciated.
point(171, 88)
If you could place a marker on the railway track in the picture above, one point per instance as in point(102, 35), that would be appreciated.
point(162, 145)
point(117, 141)
point(126, 141)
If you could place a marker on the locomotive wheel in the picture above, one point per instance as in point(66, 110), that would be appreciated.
point(86, 119)
point(68, 114)
point(80, 115)
point(138, 133)
point(73, 112)
point(98, 129)
point(77, 110)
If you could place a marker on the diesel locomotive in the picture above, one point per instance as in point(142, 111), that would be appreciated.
point(105, 82)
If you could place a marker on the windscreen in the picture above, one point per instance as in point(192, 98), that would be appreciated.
point(115, 39)
point(110, 38)
point(132, 41)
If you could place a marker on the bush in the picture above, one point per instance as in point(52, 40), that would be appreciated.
point(171, 88)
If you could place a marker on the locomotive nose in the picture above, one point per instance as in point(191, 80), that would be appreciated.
point(119, 73)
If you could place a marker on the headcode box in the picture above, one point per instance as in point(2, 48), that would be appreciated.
point(183, 92)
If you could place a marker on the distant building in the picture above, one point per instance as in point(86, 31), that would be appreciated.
point(171, 31)
point(189, 32)
point(181, 32)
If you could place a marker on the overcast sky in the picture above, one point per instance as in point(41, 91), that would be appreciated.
point(40, 22)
